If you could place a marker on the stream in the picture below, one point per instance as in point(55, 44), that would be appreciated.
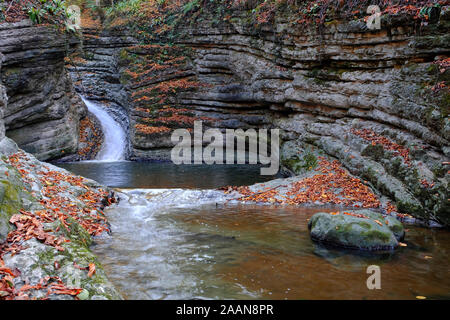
point(178, 244)
point(173, 237)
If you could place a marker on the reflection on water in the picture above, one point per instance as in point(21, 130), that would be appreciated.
point(163, 247)
point(128, 174)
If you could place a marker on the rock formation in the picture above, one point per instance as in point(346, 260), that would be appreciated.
point(43, 110)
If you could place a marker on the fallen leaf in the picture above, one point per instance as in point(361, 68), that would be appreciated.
point(91, 269)
point(378, 222)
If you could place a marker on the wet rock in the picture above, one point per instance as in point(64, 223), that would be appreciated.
point(298, 158)
point(38, 260)
point(371, 231)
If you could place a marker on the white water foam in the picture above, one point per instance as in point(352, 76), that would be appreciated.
point(113, 147)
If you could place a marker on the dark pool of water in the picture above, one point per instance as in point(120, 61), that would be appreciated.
point(128, 174)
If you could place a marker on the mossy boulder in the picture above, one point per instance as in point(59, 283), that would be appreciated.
point(373, 231)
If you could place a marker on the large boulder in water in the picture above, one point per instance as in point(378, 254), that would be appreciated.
point(361, 229)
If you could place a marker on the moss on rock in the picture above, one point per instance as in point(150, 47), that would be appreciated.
point(12, 196)
point(371, 232)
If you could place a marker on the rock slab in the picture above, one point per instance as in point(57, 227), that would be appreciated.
point(362, 229)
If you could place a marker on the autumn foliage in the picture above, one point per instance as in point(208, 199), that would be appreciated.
point(90, 136)
point(387, 144)
point(333, 185)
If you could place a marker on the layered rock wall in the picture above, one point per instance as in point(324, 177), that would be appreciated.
point(43, 110)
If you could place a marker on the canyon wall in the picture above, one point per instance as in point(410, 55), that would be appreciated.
point(360, 96)
point(43, 111)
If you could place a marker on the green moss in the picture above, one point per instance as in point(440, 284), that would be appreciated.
point(432, 69)
point(364, 225)
point(46, 261)
point(377, 235)
point(411, 208)
point(375, 152)
point(444, 104)
point(123, 55)
point(12, 193)
point(396, 228)
point(75, 232)
point(300, 164)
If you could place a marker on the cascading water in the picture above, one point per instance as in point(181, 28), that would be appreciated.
point(113, 148)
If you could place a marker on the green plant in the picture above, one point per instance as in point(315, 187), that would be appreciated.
point(190, 6)
point(50, 11)
point(36, 14)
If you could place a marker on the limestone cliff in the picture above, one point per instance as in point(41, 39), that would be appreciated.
point(93, 67)
point(41, 112)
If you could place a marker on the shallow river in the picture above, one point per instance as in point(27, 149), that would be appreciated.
point(180, 244)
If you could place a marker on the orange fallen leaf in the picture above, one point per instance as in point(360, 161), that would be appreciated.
point(91, 269)
point(378, 222)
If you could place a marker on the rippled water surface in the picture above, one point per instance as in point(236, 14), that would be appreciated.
point(180, 244)
point(128, 174)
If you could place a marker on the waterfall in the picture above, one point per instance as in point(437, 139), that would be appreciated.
point(113, 148)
